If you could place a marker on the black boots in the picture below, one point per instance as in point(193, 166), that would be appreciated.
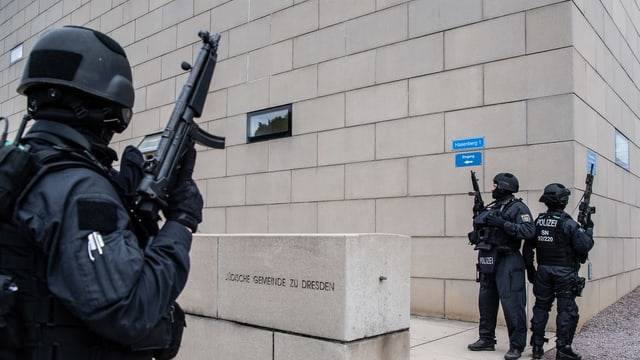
point(537, 351)
point(512, 354)
point(567, 353)
point(536, 345)
point(482, 345)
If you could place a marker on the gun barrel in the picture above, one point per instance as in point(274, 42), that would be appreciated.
point(585, 209)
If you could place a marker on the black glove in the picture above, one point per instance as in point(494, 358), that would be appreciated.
point(131, 171)
point(128, 179)
point(495, 219)
point(478, 207)
point(185, 201)
point(588, 226)
point(531, 274)
point(589, 223)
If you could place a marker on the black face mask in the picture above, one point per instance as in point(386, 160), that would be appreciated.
point(499, 193)
point(555, 207)
point(100, 146)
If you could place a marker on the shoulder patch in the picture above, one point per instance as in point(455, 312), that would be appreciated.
point(525, 218)
point(97, 215)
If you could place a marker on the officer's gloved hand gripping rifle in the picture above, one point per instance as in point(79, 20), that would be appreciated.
point(478, 207)
point(585, 211)
point(162, 170)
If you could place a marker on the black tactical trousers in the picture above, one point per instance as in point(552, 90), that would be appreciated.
point(507, 286)
point(555, 282)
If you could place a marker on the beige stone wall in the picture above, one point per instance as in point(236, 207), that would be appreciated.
point(379, 90)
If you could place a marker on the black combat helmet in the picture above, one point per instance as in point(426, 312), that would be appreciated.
point(507, 182)
point(85, 61)
point(555, 196)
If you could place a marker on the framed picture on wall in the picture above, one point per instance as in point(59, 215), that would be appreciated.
point(271, 123)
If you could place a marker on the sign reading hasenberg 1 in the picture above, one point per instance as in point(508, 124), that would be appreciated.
point(466, 144)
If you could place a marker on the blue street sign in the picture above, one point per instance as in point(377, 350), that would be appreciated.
point(469, 159)
point(465, 144)
point(591, 160)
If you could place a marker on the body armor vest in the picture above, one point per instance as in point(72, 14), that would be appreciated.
point(492, 235)
point(553, 247)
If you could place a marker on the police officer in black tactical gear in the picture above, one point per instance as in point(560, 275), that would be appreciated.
point(498, 231)
point(560, 244)
point(102, 288)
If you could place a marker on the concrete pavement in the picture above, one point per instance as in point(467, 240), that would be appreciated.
point(441, 339)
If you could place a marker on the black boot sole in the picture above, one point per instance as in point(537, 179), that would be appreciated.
point(486, 348)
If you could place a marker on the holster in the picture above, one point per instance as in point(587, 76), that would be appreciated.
point(166, 336)
point(578, 286)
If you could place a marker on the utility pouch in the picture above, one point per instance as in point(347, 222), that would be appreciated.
point(178, 323)
point(578, 286)
point(165, 338)
point(487, 259)
point(17, 167)
point(8, 291)
point(473, 237)
point(9, 328)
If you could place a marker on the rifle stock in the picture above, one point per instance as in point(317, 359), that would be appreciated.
point(181, 133)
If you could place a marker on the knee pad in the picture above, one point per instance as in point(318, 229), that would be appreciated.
point(543, 305)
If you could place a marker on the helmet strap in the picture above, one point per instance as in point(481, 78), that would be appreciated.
point(75, 110)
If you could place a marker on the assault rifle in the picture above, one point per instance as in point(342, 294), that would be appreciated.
point(180, 134)
point(478, 203)
point(585, 210)
point(3, 137)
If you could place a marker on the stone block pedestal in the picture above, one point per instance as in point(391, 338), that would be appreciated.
point(280, 297)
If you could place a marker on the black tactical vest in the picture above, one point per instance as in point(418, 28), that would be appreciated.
point(553, 246)
point(492, 235)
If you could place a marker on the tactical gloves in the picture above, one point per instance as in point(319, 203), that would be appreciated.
point(588, 228)
point(131, 171)
point(531, 274)
point(478, 207)
point(185, 201)
point(495, 219)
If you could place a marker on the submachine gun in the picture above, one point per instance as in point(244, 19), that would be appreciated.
point(585, 210)
point(584, 215)
point(478, 204)
point(181, 133)
point(475, 237)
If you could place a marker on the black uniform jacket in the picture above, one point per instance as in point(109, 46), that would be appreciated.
point(519, 220)
point(519, 223)
point(95, 265)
